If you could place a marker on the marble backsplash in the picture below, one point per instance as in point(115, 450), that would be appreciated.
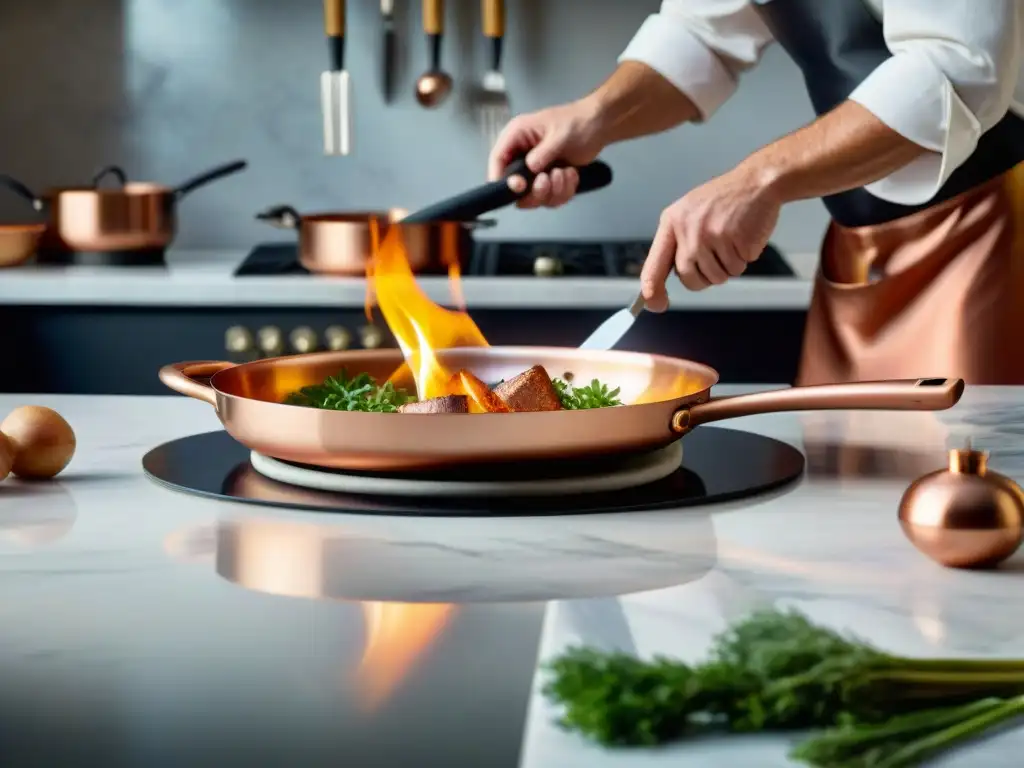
point(166, 88)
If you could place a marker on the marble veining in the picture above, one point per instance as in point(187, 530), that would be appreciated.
point(109, 580)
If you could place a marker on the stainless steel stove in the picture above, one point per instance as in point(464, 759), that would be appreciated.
point(523, 258)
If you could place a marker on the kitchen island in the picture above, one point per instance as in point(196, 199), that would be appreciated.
point(139, 630)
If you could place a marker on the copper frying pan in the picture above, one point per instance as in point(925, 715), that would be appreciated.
point(248, 401)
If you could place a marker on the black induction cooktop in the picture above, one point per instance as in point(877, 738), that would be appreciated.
point(524, 258)
point(718, 465)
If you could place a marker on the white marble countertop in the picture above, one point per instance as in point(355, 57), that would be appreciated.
point(114, 617)
point(205, 278)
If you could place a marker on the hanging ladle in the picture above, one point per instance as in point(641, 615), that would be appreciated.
point(434, 85)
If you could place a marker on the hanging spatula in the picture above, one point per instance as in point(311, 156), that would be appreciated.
point(334, 83)
point(610, 332)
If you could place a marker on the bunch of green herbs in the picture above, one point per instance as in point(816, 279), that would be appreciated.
point(356, 393)
point(777, 671)
point(593, 395)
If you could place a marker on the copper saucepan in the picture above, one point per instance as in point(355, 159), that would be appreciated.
point(18, 242)
point(132, 216)
point(434, 237)
point(342, 243)
point(248, 399)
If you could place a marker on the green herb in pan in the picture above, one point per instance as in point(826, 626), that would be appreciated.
point(358, 393)
point(593, 395)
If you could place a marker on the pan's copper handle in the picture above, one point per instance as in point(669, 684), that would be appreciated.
point(184, 378)
point(897, 395)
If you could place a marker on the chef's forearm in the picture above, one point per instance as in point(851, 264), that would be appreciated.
point(637, 101)
point(842, 150)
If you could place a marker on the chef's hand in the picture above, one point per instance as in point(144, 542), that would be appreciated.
point(710, 235)
point(567, 133)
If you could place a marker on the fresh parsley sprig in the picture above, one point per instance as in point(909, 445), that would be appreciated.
point(358, 393)
point(593, 395)
point(777, 671)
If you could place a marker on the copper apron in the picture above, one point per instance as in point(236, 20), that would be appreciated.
point(938, 293)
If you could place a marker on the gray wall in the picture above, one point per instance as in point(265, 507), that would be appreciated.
point(167, 87)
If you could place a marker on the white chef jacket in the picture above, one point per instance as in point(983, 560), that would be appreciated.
point(955, 71)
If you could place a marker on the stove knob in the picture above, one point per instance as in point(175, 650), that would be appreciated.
point(337, 337)
point(547, 266)
point(238, 340)
point(303, 339)
point(270, 341)
point(371, 337)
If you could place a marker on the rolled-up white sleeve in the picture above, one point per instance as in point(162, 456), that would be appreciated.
point(701, 47)
point(951, 77)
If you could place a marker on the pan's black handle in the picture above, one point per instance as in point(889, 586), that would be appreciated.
point(227, 169)
point(281, 216)
point(109, 170)
point(22, 191)
point(496, 194)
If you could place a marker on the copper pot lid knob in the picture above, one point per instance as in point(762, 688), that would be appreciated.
point(965, 515)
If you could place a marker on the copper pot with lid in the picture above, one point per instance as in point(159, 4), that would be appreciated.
point(341, 243)
point(133, 218)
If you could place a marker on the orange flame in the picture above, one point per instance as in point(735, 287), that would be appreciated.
point(371, 297)
point(419, 325)
point(397, 634)
point(449, 248)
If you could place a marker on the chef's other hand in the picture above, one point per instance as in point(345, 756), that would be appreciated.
point(568, 133)
point(710, 235)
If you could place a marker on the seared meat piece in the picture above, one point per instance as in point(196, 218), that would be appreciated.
point(531, 390)
point(481, 398)
point(446, 404)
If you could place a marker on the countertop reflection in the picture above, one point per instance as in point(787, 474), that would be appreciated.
point(143, 627)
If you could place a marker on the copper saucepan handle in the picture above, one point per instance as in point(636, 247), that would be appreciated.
point(109, 170)
point(22, 191)
point(896, 395)
point(208, 177)
point(280, 216)
point(184, 378)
